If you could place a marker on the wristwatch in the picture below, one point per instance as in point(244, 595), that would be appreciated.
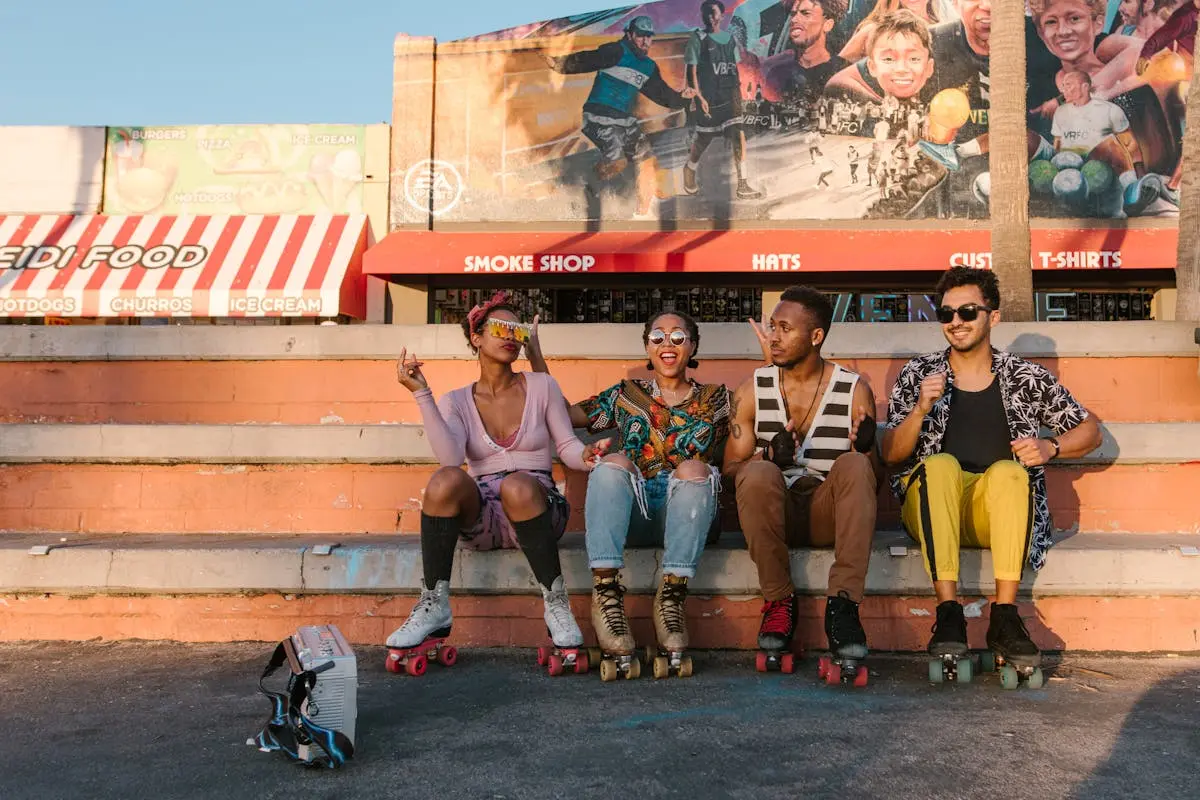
point(1054, 442)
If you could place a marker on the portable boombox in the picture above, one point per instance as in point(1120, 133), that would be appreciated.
point(313, 719)
point(333, 701)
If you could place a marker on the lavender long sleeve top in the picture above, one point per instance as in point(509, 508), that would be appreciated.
point(456, 433)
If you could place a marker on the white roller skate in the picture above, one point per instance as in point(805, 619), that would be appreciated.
point(565, 637)
point(423, 634)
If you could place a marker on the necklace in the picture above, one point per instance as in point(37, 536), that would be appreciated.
point(816, 392)
point(662, 393)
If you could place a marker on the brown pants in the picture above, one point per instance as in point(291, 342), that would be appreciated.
point(838, 511)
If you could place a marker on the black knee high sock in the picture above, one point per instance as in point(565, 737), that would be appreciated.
point(439, 537)
point(540, 547)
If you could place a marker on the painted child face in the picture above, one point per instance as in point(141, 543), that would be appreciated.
point(901, 64)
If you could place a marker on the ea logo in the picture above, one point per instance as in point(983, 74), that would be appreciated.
point(433, 186)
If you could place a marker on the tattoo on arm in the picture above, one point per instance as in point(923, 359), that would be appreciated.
point(735, 427)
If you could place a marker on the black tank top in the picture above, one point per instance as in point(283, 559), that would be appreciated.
point(977, 431)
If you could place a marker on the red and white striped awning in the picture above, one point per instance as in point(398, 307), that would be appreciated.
point(182, 266)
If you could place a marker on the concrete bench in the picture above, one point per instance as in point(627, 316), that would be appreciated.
point(1124, 443)
point(1097, 591)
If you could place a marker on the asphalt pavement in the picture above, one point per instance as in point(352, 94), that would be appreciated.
point(168, 720)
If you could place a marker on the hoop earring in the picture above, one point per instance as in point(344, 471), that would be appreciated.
point(649, 367)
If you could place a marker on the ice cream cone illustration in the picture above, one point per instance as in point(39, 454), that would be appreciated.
point(948, 111)
point(336, 177)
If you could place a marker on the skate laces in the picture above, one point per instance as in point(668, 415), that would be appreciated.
point(671, 608)
point(845, 624)
point(777, 616)
point(423, 608)
point(1012, 628)
point(559, 606)
point(612, 606)
point(948, 618)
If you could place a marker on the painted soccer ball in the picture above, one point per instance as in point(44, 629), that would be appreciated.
point(1070, 186)
point(1098, 176)
point(982, 187)
point(1041, 176)
point(1067, 160)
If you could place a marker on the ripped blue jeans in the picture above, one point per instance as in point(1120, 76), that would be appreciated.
point(663, 511)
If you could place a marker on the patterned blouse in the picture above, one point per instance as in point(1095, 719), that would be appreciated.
point(655, 436)
point(1033, 399)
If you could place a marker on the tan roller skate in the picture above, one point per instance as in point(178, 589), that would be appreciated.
point(616, 651)
point(670, 626)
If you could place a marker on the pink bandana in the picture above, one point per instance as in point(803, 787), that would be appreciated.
point(480, 312)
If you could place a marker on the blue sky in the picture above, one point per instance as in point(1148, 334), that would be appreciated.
point(134, 62)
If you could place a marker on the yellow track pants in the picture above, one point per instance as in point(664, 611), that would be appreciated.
point(946, 508)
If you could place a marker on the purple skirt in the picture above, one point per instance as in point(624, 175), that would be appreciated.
point(493, 531)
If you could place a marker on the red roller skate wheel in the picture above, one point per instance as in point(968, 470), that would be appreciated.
point(416, 666)
point(822, 667)
point(543, 657)
point(447, 656)
point(760, 661)
point(581, 663)
point(833, 675)
point(392, 664)
point(556, 664)
point(787, 663)
point(860, 677)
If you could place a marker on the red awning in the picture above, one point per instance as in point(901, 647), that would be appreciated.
point(804, 250)
point(182, 266)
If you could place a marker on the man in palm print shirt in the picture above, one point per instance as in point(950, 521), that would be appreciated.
point(964, 426)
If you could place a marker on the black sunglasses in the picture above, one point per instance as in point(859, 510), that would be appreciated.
point(967, 313)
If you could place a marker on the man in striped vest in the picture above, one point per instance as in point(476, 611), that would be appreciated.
point(801, 453)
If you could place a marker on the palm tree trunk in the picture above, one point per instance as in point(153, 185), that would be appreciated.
point(1010, 162)
point(1187, 264)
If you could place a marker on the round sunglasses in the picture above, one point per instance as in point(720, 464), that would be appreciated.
point(967, 313)
point(658, 336)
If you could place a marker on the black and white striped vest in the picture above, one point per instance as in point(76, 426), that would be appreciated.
point(829, 434)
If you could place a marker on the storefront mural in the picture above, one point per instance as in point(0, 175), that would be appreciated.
point(727, 111)
point(235, 169)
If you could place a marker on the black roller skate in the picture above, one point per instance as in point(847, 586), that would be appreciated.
point(1010, 650)
point(948, 646)
point(847, 643)
point(775, 636)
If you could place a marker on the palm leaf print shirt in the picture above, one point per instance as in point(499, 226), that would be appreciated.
point(1033, 399)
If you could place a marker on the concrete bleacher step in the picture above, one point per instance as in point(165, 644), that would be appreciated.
point(370, 478)
point(1097, 591)
point(200, 521)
